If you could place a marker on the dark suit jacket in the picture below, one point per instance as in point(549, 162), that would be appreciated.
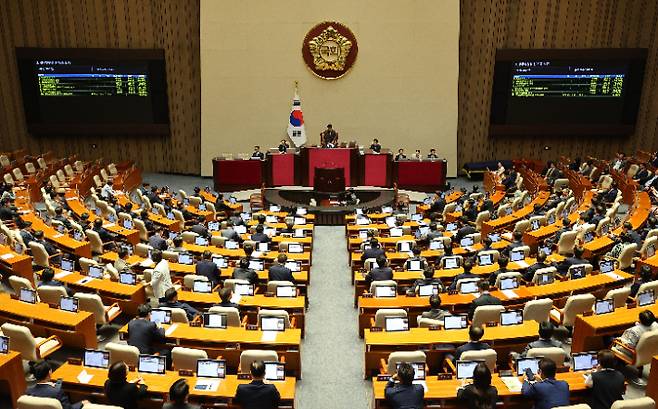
point(453, 285)
point(190, 311)
point(50, 249)
point(547, 394)
point(280, 273)
point(530, 272)
point(245, 274)
point(563, 267)
point(172, 405)
point(228, 304)
point(208, 269)
point(464, 231)
point(43, 390)
point(124, 394)
point(257, 395)
point(104, 235)
point(401, 396)
point(371, 253)
point(379, 274)
point(484, 299)
point(471, 346)
point(469, 397)
point(200, 229)
point(260, 238)
point(158, 242)
point(143, 334)
point(607, 387)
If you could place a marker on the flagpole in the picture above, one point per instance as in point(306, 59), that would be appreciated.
point(296, 85)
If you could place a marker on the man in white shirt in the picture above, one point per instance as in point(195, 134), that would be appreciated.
point(161, 277)
point(106, 190)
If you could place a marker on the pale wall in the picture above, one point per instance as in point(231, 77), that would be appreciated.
point(401, 89)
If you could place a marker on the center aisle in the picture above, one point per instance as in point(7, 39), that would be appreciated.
point(332, 353)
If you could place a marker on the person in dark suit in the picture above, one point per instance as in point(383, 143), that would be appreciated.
point(607, 384)
point(502, 268)
point(373, 252)
point(230, 233)
point(243, 272)
point(46, 388)
point(259, 236)
point(401, 392)
point(283, 146)
point(470, 210)
point(375, 146)
point(59, 216)
point(207, 268)
point(467, 267)
point(546, 330)
point(480, 394)
point(50, 249)
point(119, 391)
point(200, 228)
point(178, 393)
point(541, 263)
point(517, 241)
point(509, 180)
point(646, 275)
point(577, 258)
point(428, 278)
point(627, 228)
point(153, 196)
point(435, 312)
point(257, 394)
point(438, 204)
point(381, 272)
point(157, 241)
point(48, 278)
point(545, 390)
point(566, 226)
point(257, 154)
point(464, 229)
point(611, 194)
point(103, 233)
point(279, 271)
point(484, 299)
point(144, 334)
point(225, 295)
point(148, 224)
point(474, 344)
point(171, 301)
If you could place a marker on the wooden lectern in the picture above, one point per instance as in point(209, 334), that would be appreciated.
point(329, 180)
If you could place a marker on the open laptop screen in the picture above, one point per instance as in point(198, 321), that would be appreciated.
point(584, 361)
point(154, 364)
point(69, 304)
point(214, 320)
point(455, 321)
point(275, 371)
point(272, 323)
point(96, 359)
point(465, 369)
point(211, 368)
point(531, 363)
point(419, 370)
point(396, 324)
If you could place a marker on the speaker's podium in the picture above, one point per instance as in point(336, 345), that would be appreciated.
point(329, 180)
point(340, 160)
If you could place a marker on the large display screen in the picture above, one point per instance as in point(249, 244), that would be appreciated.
point(94, 91)
point(561, 92)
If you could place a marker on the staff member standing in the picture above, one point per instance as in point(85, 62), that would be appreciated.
point(329, 137)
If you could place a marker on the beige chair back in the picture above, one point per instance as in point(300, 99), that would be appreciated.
point(428, 322)
point(231, 282)
point(21, 340)
point(95, 241)
point(39, 254)
point(566, 243)
point(34, 402)
point(51, 294)
point(637, 403)
point(481, 218)
point(509, 274)
point(4, 161)
point(646, 348)
point(177, 315)
point(189, 236)
point(68, 169)
point(382, 283)
point(112, 168)
point(397, 357)
point(522, 226)
point(122, 352)
point(276, 313)
point(625, 258)
point(85, 263)
point(8, 179)
point(272, 285)
point(576, 304)
point(232, 315)
point(219, 241)
point(189, 279)
point(18, 175)
point(485, 314)
point(495, 254)
point(489, 356)
point(383, 313)
point(537, 310)
point(251, 355)
point(576, 406)
point(93, 304)
point(42, 163)
point(97, 181)
point(650, 242)
point(603, 226)
point(619, 295)
point(142, 249)
point(650, 286)
point(141, 228)
point(185, 358)
point(18, 282)
point(195, 201)
point(539, 272)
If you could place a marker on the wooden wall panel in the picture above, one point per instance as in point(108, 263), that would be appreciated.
point(172, 25)
point(490, 24)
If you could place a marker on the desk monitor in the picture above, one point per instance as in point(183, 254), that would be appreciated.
point(127, 224)
point(172, 235)
point(362, 221)
point(459, 321)
point(263, 247)
point(577, 272)
point(170, 216)
point(272, 323)
point(494, 237)
point(422, 231)
point(466, 242)
point(94, 358)
point(404, 246)
point(96, 271)
point(545, 249)
point(245, 216)
point(243, 289)
point(529, 363)
point(485, 259)
point(588, 236)
point(286, 291)
point(650, 251)
point(436, 244)
point(18, 248)
point(232, 200)
point(363, 234)
point(300, 221)
point(185, 258)
point(512, 317)
point(211, 368)
point(275, 208)
point(231, 245)
point(450, 263)
point(299, 234)
point(275, 371)
point(584, 361)
point(213, 226)
point(416, 217)
point(546, 278)
point(469, 287)
point(414, 265)
point(295, 248)
point(509, 283)
point(161, 316)
point(201, 241)
point(385, 291)
point(294, 266)
point(155, 364)
point(215, 320)
point(451, 226)
point(4, 344)
point(301, 211)
point(646, 298)
point(240, 229)
point(387, 209)
point(607, 266)
point(465, 369)
point(271, 219)
point(219, 261)
point(535, 225)
point(128, 248)
point(258, 265)
point(392, 324)
point(202, 207)
point(426, 290)
point(517, 255)
point(69, 304)
point(61, 229)
point(604, 306)
point(202, 286)
point(509, 211)
point(390, 221)
point(127, 278)
point(29, 296)
point(67, 265)
point(396, 232)
point(358, 211)
point(419, 370)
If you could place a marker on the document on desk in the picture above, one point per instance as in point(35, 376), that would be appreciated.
point(235, 298)
point(109, 225)
point(7, 256)
point(57, 236)
point(171, 329)
point(207, 385)
point(614, 276)
point(522, 264)
point(84, 377)
point(510, 294)
point(62, 274)
point(269, 336)
point(512, 382)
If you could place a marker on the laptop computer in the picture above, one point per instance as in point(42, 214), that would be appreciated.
point(201, 241)
point(469, 287)
point(459, 321)
point(419, 370)
point(485, 259)
point(584, 361)
point(211, 368)
point(509, 283)
point(294, 266)
point(94, 358)
point(185, 258)
point(607, 266)
point(161, 316)
point(213, 226)
point(202, 286)
point(517, 255)
point(466, 242)
point(69, 304)
point(127, 224)
point(414, 265)
point(29, 296)
point(450, 263)
point(67, 265)
point(451, 226)
point(257, 265)
point(272, 323)
point(527, 363)
point(546, 278)
point(392, 324)
point(396, 232)
point(95, 271)
point(385, 291)
point(604, 306)
point(286, 291)
point(264, 247)
point(646, 298)
point(436, 245)
point(465, 369)
point(215, 320)
point(220, 262)
point(128, 278)
point(577, 272)
point(512, 317)
point(153, 364)
point(428, 289)
point(275, 371)
point(4, 344)
point(231, 245)
point(243, 289)
point(295, 248)
point(494, 237)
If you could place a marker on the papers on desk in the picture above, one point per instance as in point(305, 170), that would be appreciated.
point(85, 280)
point(206, 384)
point(510, 294)
point(522, 264)
point(68, 199)
point(512, 382)
point(109, 225)
point(147, 263)
point(7, 256)
point(57, 236)
point(84, 377)
point(62, 274)
point(421, 383)
point(614, 276)
point(171, 329)
point(256, 254)
point(235, 299)
point(269, 336)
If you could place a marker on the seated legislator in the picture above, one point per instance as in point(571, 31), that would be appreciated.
point(103, 233)
point(400, 155)
point(428, 279)
point(381, 272)
point(467, 266)
point(257, 154)
point(207, 268)
point(279, 271)
point(544, 389)
point(257, 394)
point(50, 249)
point(260, 236)
point(373, 252)
point(243, 272)
point(502, 268)
point(171, 301)
point(144, 334)
point(225, 295)
point(121, 263)
point(475, 334)
point(541, 263)
point(484, 299)
point(119, 391)
point(48, 278)
point(435, 312)
point(646, 275)
point(606, 383)
point(546, 330)
point(200, 228)
point(284, 146)
point(46, 388)
point(230, 233)
point(630, 337)
point(375, 146)
point(177, 245)
point(401, 392)
point(577, 258)
point(157, 241)
point(329, 137)
point(480, 394)
point(432, 154)
point(178, 394)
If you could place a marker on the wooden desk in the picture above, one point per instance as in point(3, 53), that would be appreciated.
point(64, 242)
point(16, 264)
point(230, 342)
point(507, 221)
point(75, 329)
point(158, 386)
point(12, 379)
point(77, 207)
point(169, 224)
point(652, 385)
point(444, 392)
point(239, 253)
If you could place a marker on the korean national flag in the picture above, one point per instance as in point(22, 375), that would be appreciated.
point(296, 130)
